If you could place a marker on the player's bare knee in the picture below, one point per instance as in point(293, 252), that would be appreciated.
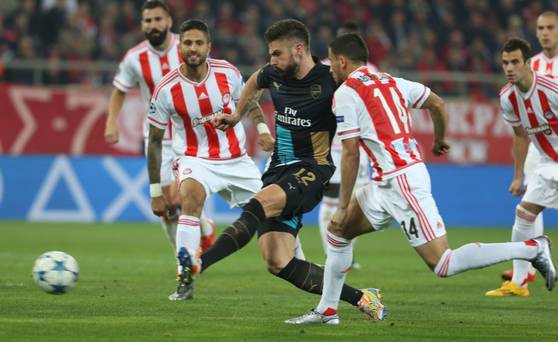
point(275, 265)
point(524, 212)
point(192, 197)
point(337, 231)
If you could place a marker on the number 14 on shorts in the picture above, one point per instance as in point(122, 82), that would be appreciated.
point(410, 229)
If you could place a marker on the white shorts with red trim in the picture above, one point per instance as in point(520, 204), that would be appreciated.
point(543, 186)
point(406, 198)
point(167, 157)
point(236, 180)
point(532, 160)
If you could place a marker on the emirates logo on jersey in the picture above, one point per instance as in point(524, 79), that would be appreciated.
point(202, 120)
point(545, 129)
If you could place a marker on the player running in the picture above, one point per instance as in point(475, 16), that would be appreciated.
point(146, 64)
point(544, 63)
point(529, 103)
point(373, 111)
point(211, 161)
point(329, 203)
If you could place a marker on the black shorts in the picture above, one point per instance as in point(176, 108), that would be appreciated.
point(304, 185)
point(332, 190)
point(279, 224)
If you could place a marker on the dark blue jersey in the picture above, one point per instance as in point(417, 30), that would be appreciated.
point(304, 122)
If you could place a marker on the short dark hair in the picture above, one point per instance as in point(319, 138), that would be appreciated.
point(151, 4)
point(288, 29)
point(518, 44)
point(549, 14)
point(350, 45)
point(195, 24)
point(348, 27)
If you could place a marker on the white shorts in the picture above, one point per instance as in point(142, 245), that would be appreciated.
point(407, 198)
point(167, 157)
point(236, 180)
point(532, 160)
point(543, 186)
point(363, 175)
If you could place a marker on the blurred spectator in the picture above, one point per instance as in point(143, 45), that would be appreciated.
point(418, 35)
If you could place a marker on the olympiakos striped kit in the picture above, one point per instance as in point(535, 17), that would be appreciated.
point(542, 65)
point(374, 107)
point(216, 159)
point(536, 110)
point(145, 66)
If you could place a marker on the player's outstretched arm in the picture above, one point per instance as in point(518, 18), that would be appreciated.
point(154, 156)
point(439, 115)
point(350, 159)
point(520, 148)
point(115, 105)
point(265, 139)
point(249, 98)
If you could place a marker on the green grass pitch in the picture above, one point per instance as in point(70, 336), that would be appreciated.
point(127, 271)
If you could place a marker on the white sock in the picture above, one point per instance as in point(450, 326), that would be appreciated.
point(188, 234)
point(207, 228)
point(539, 230)
point(338, 263)
point(299, 253)
point(327, 209)
point(479, 255)
point(170, 231)
point(523, 229)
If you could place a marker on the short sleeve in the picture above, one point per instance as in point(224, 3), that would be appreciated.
point(506, 108)
point(262, 80)
point(414, 93)
point(345, 108)
point(125, 78)
point(158, 114)
point(236, 86)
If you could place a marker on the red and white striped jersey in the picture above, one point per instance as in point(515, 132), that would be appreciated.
point(543, 65)
point(191, 106)
point(371, 66)
point(146, 66)
point(536, 111)
point(375, 107)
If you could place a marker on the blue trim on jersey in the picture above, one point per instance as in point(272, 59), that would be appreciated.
point(293, 223)
point(285, 148)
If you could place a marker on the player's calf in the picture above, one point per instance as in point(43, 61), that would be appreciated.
point(237, 235)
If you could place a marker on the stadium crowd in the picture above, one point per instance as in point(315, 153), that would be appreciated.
point(418, 35)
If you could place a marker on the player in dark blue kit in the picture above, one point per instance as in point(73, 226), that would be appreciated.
point(302, 91)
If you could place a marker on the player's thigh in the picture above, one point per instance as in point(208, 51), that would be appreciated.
point(410, 202)
point(303, 185)
point(277, 249)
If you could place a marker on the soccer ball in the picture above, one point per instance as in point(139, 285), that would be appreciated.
point(56, 272)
